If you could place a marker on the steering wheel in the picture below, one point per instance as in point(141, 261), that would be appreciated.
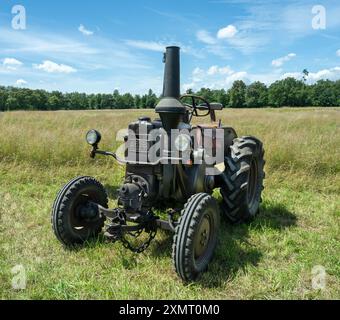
point(205, 106)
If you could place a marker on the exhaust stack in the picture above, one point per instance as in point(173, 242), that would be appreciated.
point(170, 109)
point(172, 79)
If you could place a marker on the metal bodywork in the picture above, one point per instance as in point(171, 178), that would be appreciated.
point(172, 167)
point(153, 184)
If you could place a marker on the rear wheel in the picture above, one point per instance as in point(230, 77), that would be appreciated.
point(243, 180)
point(196, 236)
point(74, 217)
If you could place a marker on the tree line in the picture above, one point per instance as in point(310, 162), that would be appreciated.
point(12, 98)
point(287, 92)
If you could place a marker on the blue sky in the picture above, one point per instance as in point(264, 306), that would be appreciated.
point(98, 46)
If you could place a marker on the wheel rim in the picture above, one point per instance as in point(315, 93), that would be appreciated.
point(78, 223)
point(203, 239)
point(252, 184)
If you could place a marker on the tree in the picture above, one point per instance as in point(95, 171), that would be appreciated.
point(287, 92)
point(220, 96)
point(206, 93)
point(151, 100)
point(12, 102)
point(137, 101)
point(3, 98)
point(107, 102)
point(143, 102)
point(305, 76)
point(323, 94)
point(237, 94)
point(337, 92)
point(257, 95)
point(128, 101)
point(92, 102)
point(117, 101)
point(53, 102)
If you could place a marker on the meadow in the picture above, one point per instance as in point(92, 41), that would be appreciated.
point(271, 258)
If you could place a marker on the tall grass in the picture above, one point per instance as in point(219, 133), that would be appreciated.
point(270, 258)
point(295, 139)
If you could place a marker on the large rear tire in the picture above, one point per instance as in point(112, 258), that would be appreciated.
point(69, 224)
point(196, 236)
point(243, 180)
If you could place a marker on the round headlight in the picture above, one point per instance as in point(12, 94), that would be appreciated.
point(183, 142)
point(93, 137)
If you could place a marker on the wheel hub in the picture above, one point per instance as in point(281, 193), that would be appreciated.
point(203, 236)
point(88, 211)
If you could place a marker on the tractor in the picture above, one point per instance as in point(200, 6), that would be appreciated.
point(174, 170)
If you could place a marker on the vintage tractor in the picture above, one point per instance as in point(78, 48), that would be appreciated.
point(172, 167)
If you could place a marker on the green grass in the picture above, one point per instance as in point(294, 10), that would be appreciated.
point(271, 258)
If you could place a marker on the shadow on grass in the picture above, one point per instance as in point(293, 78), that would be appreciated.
point(234, 253)
point(274, 216)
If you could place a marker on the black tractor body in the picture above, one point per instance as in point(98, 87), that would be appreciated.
point(172, 166)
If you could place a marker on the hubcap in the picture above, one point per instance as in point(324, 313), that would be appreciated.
point(82, 213)
point(203, 237)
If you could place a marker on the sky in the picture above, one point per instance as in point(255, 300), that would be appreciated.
point(99, 46)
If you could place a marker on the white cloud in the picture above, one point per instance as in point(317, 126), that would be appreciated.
point(85, 31)
point(225, 70)
point(146, 45)
point(198, 75)
point(214, 77)
point(227, 32)
point(280, 61)
point(244, 39)
point(248, 42)
point(198, 71)
point(42, 43)
point(325, 74)
point(52, 67)
point(213, 70)
point(11, 63)
point(217, 77)
point(338, 53)
point(21, 82)
point(241, 75)
point(187, 86)
point(205, 37)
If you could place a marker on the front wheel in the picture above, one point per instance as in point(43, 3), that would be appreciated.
point(196, 236)
point(74, 217)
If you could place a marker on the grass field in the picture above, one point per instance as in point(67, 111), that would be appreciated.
point(271, 258)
